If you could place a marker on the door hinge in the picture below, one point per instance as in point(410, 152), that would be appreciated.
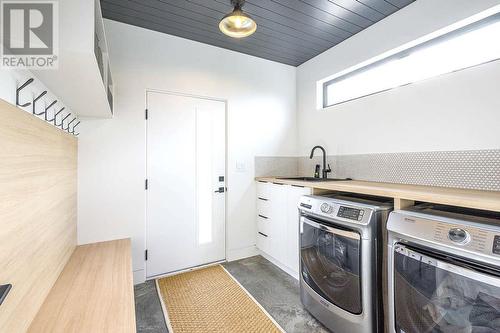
point(146, 114)
point(146, 255)
point(146, 184)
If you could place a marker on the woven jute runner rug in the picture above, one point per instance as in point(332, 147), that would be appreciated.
point(211, 300)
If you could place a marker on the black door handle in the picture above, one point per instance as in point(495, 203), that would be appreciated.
point(220, 190)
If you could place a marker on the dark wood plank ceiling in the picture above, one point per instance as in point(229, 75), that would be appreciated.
point(288, 31)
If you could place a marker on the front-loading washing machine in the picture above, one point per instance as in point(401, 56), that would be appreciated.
point(340, 260)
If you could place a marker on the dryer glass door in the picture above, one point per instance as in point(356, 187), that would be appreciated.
point(330, 263)
point(440, 295)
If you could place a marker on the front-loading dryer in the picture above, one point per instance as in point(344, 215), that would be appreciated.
point(444, 270)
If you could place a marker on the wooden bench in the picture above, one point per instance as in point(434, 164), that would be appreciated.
point(94, 292)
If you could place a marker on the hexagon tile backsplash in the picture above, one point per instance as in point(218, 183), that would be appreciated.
point(471, 169)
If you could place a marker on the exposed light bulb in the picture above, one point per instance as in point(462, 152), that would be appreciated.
point(237, 24)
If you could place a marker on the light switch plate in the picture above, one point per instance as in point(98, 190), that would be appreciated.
point(241, 166)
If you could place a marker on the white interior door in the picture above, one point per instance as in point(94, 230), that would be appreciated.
point(186, 157)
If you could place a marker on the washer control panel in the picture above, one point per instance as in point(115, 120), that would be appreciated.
point(496, 245)
point(334, 210)
point(326, 208)
point(350, 213)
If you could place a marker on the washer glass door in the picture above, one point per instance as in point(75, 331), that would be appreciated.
point(440, 294)
point(330, 263)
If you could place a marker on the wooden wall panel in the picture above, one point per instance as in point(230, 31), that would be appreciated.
point(38, 203)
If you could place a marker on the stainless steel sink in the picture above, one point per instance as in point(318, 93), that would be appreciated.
point(312, 179)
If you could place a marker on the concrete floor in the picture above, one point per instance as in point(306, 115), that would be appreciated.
point(274, 289)
point(148, 313)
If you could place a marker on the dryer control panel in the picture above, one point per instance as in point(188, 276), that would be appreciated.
point(460, 236)
point(464, 236)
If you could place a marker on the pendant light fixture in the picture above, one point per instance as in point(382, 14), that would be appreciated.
point(237, 24)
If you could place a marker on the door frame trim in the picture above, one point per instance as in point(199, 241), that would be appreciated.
point(226, 143)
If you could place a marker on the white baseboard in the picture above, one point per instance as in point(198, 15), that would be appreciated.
point(232, 255)
point(241, 253)
point(139, 276)
point(282, 266)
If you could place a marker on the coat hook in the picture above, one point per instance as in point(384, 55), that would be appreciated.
point(73, 130)
point(21, 88)
point(67, 126)
point(62, 121)
point(55, 116)
point(47, 108)
point(34, 103)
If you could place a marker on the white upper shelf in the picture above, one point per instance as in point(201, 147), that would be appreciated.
point(78, 80)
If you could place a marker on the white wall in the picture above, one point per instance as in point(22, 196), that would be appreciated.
point(11, 79)
point(453, 112)
point(458, 111)
point(261, 121)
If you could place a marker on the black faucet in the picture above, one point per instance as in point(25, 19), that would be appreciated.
point(325, 169)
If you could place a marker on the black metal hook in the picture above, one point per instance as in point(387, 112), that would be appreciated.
point(62, 121)
point(67, 126)
point(19, 90)
point(47, 108)
point(34, 103)
point(55, 116)
point(73, 130)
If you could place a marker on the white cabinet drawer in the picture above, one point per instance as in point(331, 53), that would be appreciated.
point(264, 225)
point(263, 190)
point(277, 222)
point(263, 242)
point(264, 207)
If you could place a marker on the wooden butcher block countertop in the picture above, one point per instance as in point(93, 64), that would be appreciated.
point(487, 200)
